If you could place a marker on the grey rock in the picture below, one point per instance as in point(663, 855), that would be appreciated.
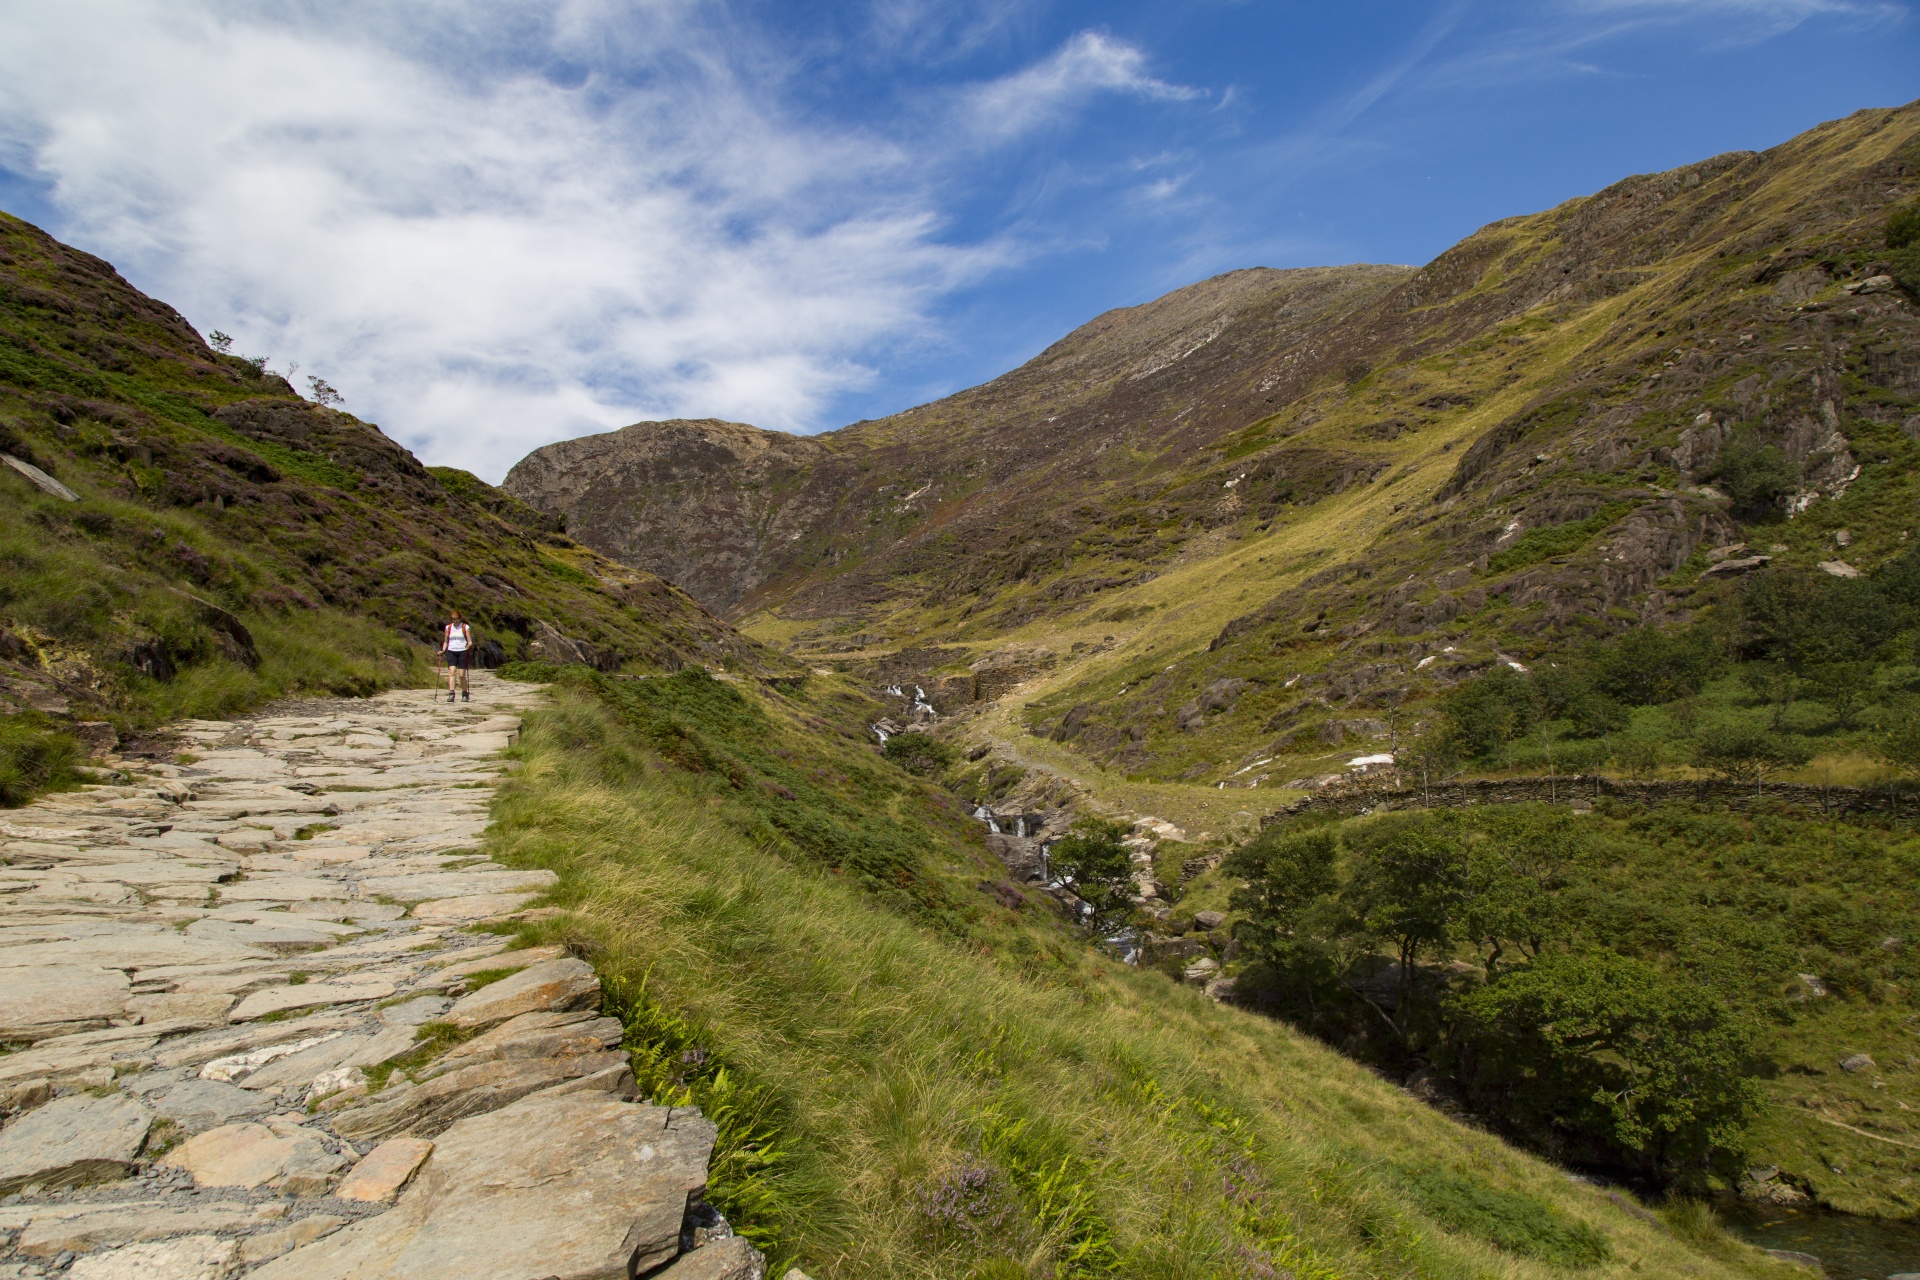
point(58, 999)
point(426, 1109)
point(557, 985)
point(1857, 1062)
point(72, 1141)
point(1209, 919)
point(413, 1012)
point(188, 1258)
point(271, 1244)
point(534, 1035)
point(455, 884)
point(729, 1259)
point(575, 1186)
point(50, 1231)
point(300, 1068)
point(199, 1105)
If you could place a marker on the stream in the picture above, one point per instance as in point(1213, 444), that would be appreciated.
point(1850, 1248)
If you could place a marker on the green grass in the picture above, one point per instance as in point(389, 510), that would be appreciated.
point(969, 1091)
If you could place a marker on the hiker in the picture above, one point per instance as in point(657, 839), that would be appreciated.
point(456, 646)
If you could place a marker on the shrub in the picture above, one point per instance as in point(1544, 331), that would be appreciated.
point(34, 757)
point(919, 753)
point(1483, 715)
point(1747, 753)
point(1507, 1220)
point(1095, 862)
point(1756, 476)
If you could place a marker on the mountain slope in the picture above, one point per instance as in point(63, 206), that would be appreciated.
point(230, 541)
point(1499, 452)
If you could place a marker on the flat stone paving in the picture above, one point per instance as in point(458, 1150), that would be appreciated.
point(254, 1027)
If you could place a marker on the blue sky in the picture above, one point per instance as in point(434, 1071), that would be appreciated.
point(495, 223)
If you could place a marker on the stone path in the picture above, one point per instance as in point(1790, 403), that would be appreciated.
point(255, 1030)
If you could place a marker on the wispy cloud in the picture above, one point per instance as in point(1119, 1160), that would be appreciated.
point(1088, 64)
point(498, 223)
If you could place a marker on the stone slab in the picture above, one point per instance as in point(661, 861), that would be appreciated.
point(554, 986)
point(384, 1170)
point(48, 1000)
point(73, 1141)
point(574, 1186)
point(252, 1155)
point(197, 1105)
point(106, 1225)
point(306, 996)
point(455, 884)
point(188, 1258)
point(729, 1259)
point(481, 906)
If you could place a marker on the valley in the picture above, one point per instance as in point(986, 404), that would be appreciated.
point(1362, 770)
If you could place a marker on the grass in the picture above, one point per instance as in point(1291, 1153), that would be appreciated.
point(976, 1092)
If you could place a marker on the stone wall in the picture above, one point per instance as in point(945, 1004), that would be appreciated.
point(1400, 793)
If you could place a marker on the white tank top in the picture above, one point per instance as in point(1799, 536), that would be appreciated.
point(458, 638)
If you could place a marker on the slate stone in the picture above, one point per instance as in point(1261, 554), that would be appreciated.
point(575, 1186)
point(729, 1259)
point(73, 1141)
point(252, 1155)
point(384, 1170)
point(92, 1227)
point(456, 884)
point(554, 986)
point(307, 995)
point(426, 1109)
point(188, 1258)
point(199, 1105)
point(416, 1011)
point(58, 999)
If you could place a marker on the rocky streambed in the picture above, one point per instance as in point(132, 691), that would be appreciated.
point(254, 1030)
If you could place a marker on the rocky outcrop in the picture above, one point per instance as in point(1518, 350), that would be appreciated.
point(191, 1101)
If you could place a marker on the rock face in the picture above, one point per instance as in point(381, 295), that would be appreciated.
point(514, 1153)
point(736, 515)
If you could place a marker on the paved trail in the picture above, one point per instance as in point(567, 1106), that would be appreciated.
point(255, 1031)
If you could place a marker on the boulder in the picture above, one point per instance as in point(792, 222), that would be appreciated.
point(554, 986)
point(729, 1259)
point(577, 1186)
point(1209, 919)
point(253, 1155)
point(1857, 1062)
point(188, 1258)
point(72, 1141)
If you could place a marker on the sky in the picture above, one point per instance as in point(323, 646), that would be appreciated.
point(491, 224)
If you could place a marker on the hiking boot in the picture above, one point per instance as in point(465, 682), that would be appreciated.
point(465, 696)
point(449, 695)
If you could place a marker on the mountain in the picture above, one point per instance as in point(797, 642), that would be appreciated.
point(1534, 438)
point(186, 535)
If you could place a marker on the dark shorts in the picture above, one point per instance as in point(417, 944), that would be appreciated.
point(460, 658)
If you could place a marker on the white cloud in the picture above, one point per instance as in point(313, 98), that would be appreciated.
point(498, 223)
point(1089, 63)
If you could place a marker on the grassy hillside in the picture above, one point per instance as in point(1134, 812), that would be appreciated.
point(231, 541)
point(919, 1078)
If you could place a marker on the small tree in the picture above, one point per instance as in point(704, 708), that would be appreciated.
point(919, 753)
point(223, 343)
point(1409, 878)
point(1846, 688)
point(1093, 861)
point(1776, 684)
point(1746, 753)
point(1515, 871)
point(323, 392)
point(1286, 875)
point(1757, 476)
point(1641, 755)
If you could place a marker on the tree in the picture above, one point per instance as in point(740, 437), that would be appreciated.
point(1605, 1047)
point(1846, 688)
point(1647, 665)
point(1515, 870)
point(223, 343)
point(1483, 715)
point(323, 392)
point(1093, 861)
point(1434, 755)
point(1746, 753)
point(1409, 878)
point(1756, 476)
point(1776, 684)
point(1641, 755)
point(919, 753)
point(1287, 876)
